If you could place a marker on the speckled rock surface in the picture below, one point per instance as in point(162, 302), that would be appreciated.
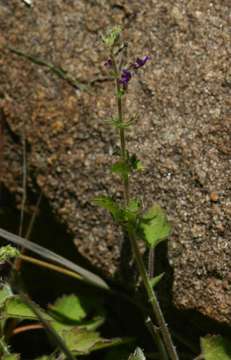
point(182, 135)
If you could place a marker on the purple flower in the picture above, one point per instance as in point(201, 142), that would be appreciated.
point(140, 62)
point(125, 78)
point(108, 63)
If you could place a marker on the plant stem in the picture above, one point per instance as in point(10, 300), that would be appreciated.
point(24, 328)
point(166, 337)
point(51, 331)
point(156, 335)
point(152, 298)
point(123, 154)
point(50, 266)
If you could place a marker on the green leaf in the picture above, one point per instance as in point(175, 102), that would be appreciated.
point(135, 163)
point(112, 36)
point(8, 252)
point(137, 355)
point(72, 309)
point(121, 168)
point(131, 212)
point(119, 124)
point(5, 293)
point(11, 357)
point(154, 281)
point(109, 204)
point(80, 341)
point(154, 226)
point(84, 342)
point(17, 309)
point(216, 348)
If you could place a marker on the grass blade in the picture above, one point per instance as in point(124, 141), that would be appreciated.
point(47, 254)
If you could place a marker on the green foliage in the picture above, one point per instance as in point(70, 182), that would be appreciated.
point(120, 93)
point(135, 163)
point(131, 212)
point(121, 168)
point(154, 226)
point(125, 167)
point(5, 351)
point(74, 318)
point(137, 355)
point(154, 281)
point(112, 36)
point(11, 357)
point(72, 310)
point(106, 202)
point(84, 342)
point(119, 124)
point(5, 293)
point(8, 252)
point(216, 348)
point(15, 308)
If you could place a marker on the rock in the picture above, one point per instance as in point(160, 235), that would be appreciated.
point(182, 135)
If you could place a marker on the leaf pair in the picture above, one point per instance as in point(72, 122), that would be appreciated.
point(153, 226)
point(122, 215)
point(124, 168)
point(118, 124)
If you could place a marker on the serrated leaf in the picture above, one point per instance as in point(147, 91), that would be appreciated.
point(84, 342)
point(154, 281)
point(70, 307)
point(154, 226)
point(80, 341)
point(109, 204)
point(17, 309)
point(137, 355)
point(216, 348)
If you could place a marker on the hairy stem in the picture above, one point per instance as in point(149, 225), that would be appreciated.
point(123, 154)
point(152, 298)
point(156, 310)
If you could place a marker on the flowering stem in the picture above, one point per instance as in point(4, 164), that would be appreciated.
point(156, 310)
point(121, 130)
